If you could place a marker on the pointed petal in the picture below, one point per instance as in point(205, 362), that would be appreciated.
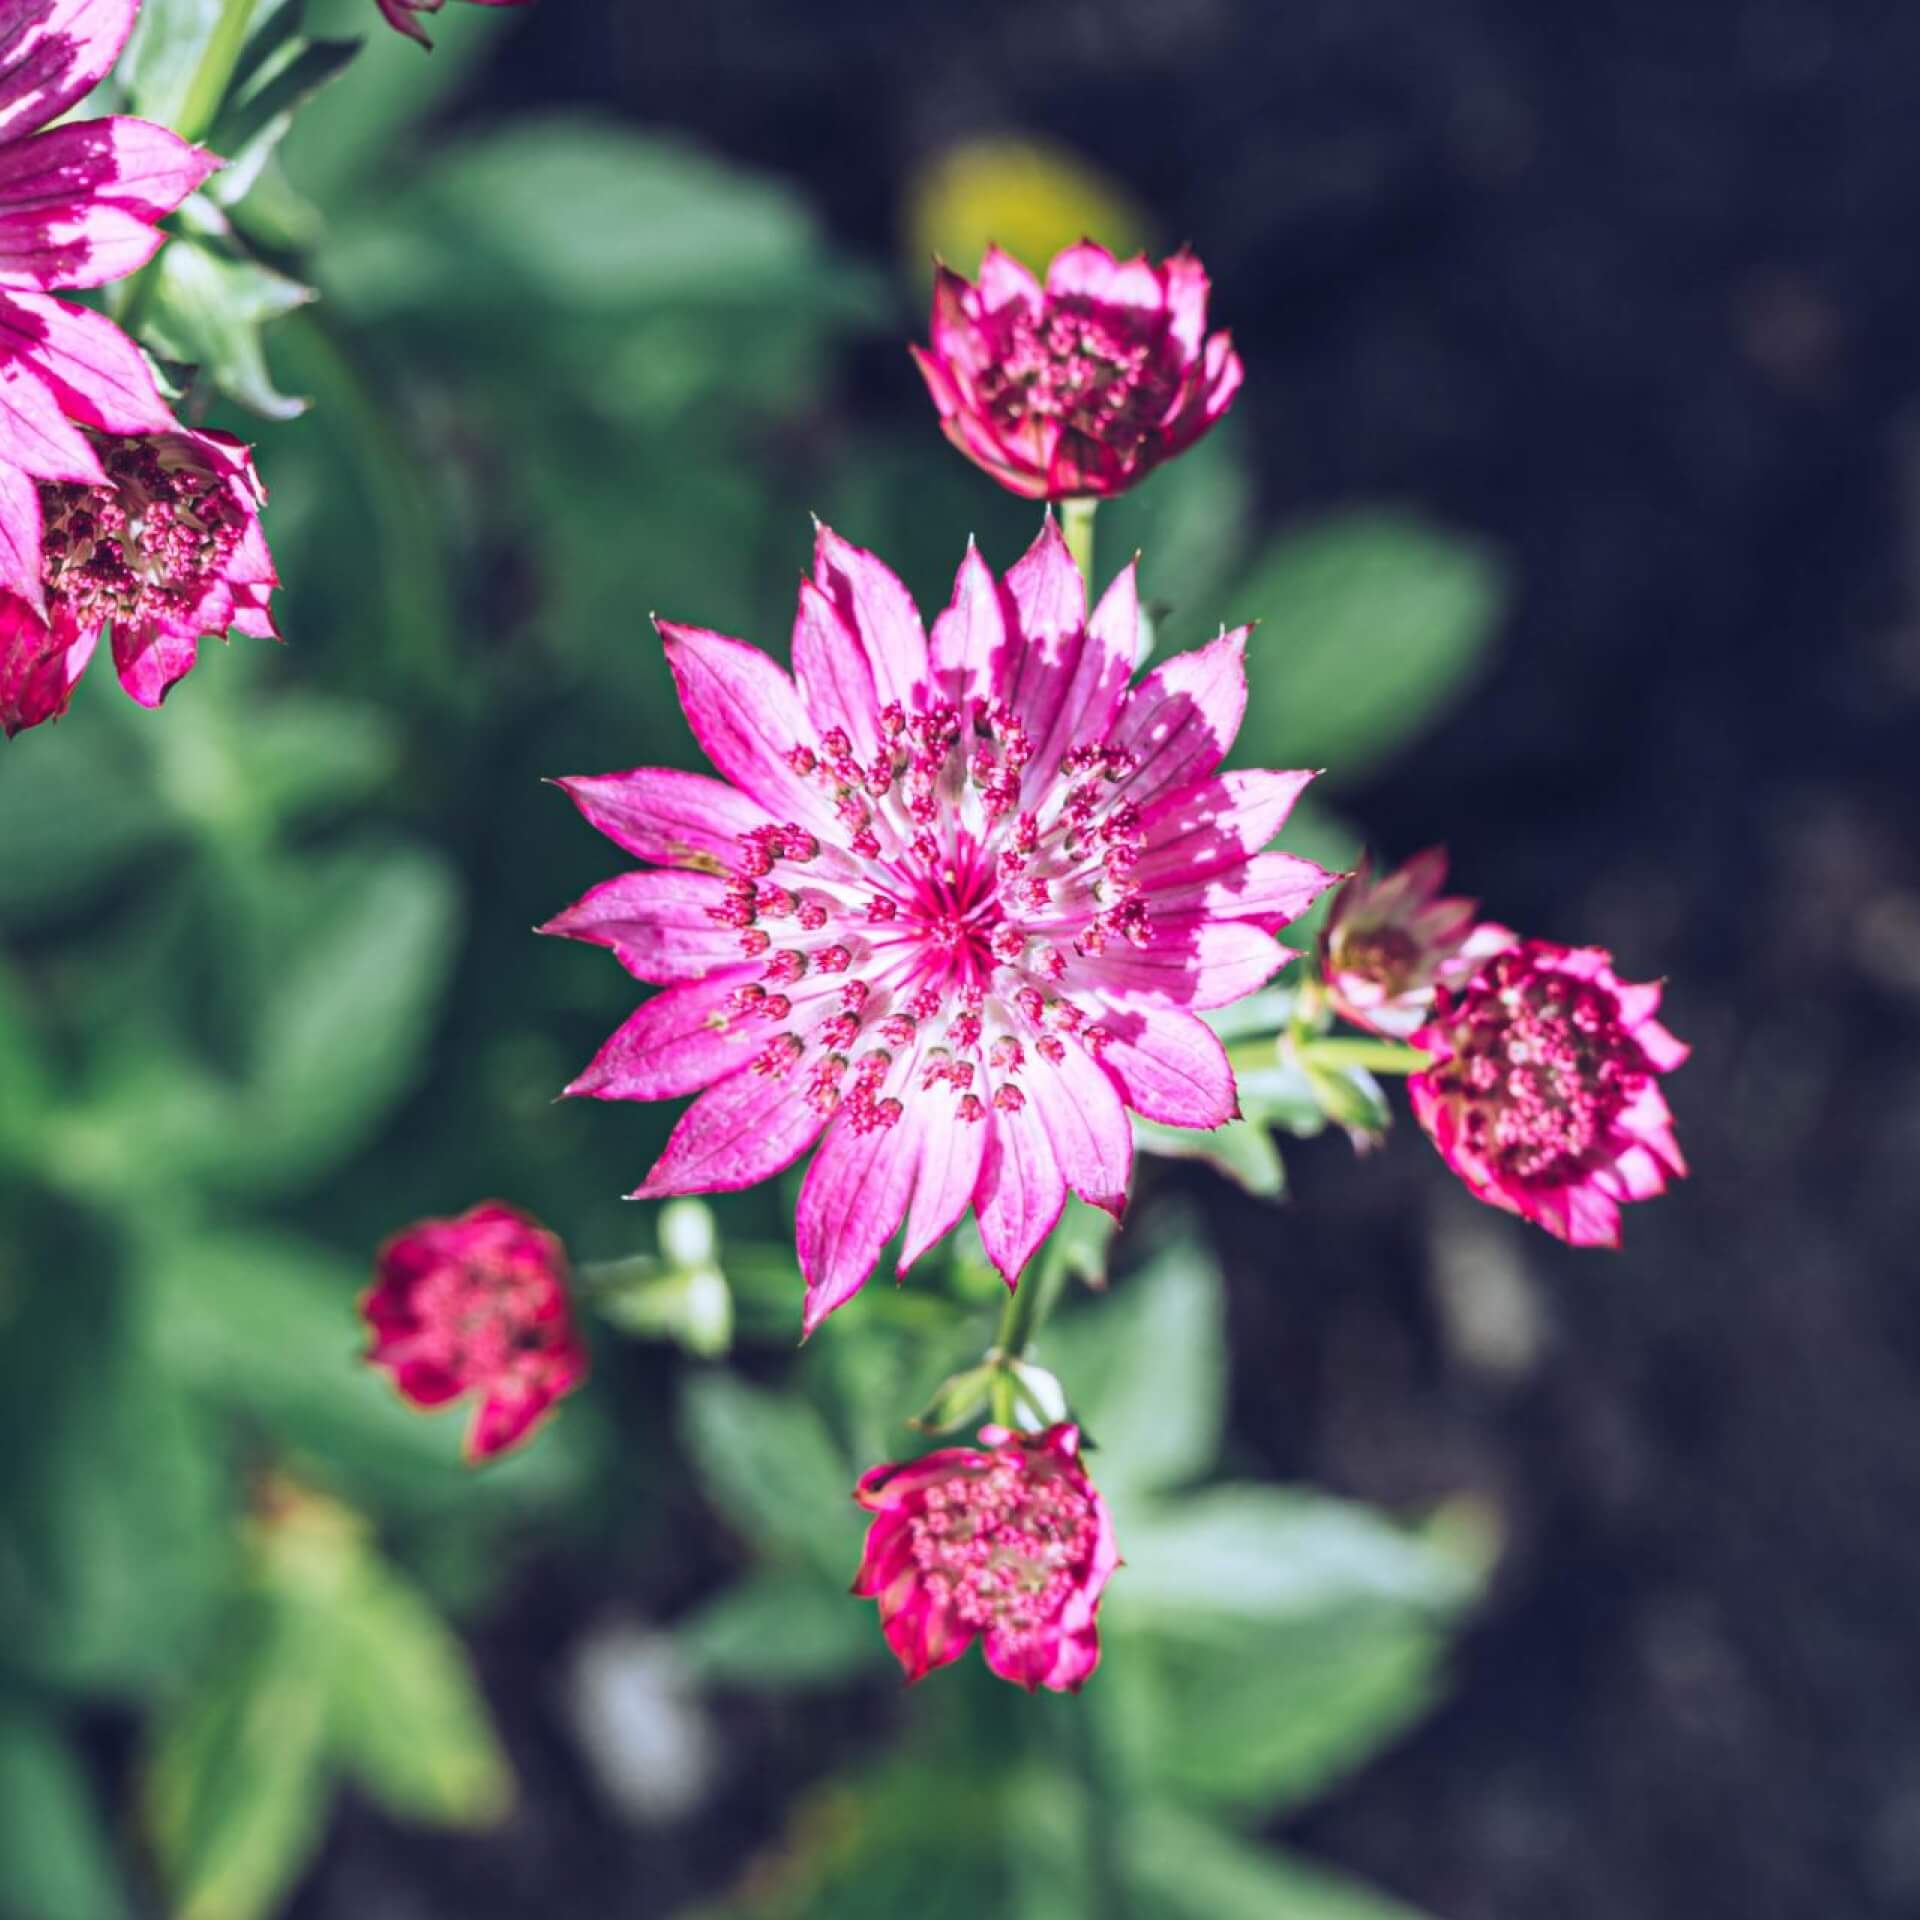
point(93, 370)
point(20, 558)
point(681, 1040)
point(54, 53)
point(851, 1204)
point(736, 1134)
point(950, 1155)
point(881, 614)
point(835, 678)
point(1180, 720)
point(151, 661)
point(1170, 1066)
point(1199, 964)
point(1005, 281)
point(1194, 833)
point(661, 814)
point(747, 716)
point(35, 435)
point(971, 652)
point(659, 925)
point(1086, 1124)
point(1021, 1190)
point(1271, 891)
point(39, 667)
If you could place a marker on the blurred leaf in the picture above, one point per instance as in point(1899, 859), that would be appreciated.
point(302, 753)
point(1245, 1153)
point(1028, 197)
point(1146, 1369)
point(1180, 1868)
point(282, 71)
point(209, 302)
point(774, 1631)
point(162, 52)
point(236, 1787)
point(1371, 626)
point(55, 1861)
point(769, 1464)
point(407, 1719)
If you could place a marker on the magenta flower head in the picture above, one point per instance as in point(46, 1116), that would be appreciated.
point(1007, 1542)
point(79, 204)
point(166, 550)
point(477, 1307)
point(399, 14)
point(1390, 940)
point(956, 908)
point(1544, 1096)
point(1080, 388)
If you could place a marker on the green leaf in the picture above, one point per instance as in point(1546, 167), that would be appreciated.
point(209, 302)
point(1371, 626)
point(780, 1630)
point(236, 1785)
point(1245, 1153)
point(279, 76)
point(55, 1860)
point(156, 69)
point(407, 1720)
point(1146, 1367)
point(1180, 1868)
point(769, 1464)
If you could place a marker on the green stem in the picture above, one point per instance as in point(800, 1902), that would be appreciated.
point(1076, 523)
point(1377, 1056)
point(208, 87)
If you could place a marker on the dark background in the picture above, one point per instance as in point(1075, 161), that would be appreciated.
point(1632, 292)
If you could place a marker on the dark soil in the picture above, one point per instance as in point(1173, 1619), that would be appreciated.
point(1634, 293)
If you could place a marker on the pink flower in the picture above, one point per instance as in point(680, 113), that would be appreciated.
point(1080, 388)
point(956, 911)
point(399, 14)
point(1390, 941)
point(477, 1306)
point(1008, 1540)
point(79, 204)
point(167, 549)
point(1543, 1095)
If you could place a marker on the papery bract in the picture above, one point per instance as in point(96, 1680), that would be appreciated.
point(167, 550)
point(477, 1307)
point(959, 907)
point(400, 14)
point(1008, 1543)
point(79, 206)
point(1080, 387)
point(1391, 939)
point(1544, 1094)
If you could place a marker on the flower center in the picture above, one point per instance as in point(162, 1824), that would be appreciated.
point(1004, 1545)
point(1083, 368)
point(1541, 1070)
point(925, 948)
point(477, 1319)
point(145, 546)
point(1388, 956)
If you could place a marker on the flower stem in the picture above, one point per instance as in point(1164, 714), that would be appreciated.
point(208, 87)
point(1376, 1056)
point(1076, 523)
point(1020, 1319)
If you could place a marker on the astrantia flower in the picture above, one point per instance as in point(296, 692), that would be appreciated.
point(1081, 387)
point(400, 14)
point(1543, 1095)
point(167, 550)
point(958, 908)
point(1007, 1542)
point(1389, 941)
point(477, 1306)
point(78, 207)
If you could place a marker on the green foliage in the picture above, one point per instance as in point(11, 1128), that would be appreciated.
point(209, 302)
point(54, 1859)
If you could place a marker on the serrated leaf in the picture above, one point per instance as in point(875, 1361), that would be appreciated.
point(209, 302)
point(769, 1464)
point(779, 1630)
point(55, 1859)
point(1371, 625)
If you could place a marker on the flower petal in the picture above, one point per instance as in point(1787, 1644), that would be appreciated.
point(1086, 1124)
point(1170, 1066)
point(54, 53)
point(680, 1040)
point(851, 1204)
point(1180, 720)
point(660, 925)
point(151, 660)
point(950, 1154)
point(20, 556)
point(39, 666)
point(1271, 890)
point(748, 1128)
point(747, 716)
point(1199, 964)
point(93, 370)
point(1021, 1191)
point(881, 614)
point(661, 814)
point(1200, 830)
point(971, 652)
point(835, 678)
